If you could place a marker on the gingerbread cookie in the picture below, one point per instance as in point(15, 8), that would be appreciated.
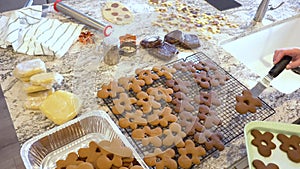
point(190, 123)
point(160, 159)
point(146, 75)
point(190, 154)
point(205, 65)
point(214, 140)
point(263, 142)
point(202, 79)
point(160, 93)
point(125, 82)
point(202, 137)
point(133, 120)
point(218, 79)
point(207, 98)
point(179, 85)
point(124, 102)
point(164, 71)
point(290, 145)
point(209, 119)
point(174, 135)
point(148, 136)
point(91, 153)
point(247, 103)
point(260, 165)
point(110, 90)
point(72, 159)
point(182, 103)
point(108, 160)
point(162, 117)
point(136, 85)
point(116, 147)
point(147, 102)
point(84, 165)
point(185, 66)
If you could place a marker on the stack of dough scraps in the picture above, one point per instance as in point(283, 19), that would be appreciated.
point(38, 83)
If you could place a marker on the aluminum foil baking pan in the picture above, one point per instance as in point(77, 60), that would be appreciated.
point(42, 151)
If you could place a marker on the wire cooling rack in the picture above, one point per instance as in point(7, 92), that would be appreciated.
point(233, 123)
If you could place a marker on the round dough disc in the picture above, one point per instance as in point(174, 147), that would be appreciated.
point(117, 13)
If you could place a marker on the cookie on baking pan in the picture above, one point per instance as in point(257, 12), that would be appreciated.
point(117, 13)
point(260, 165)
point(263, 142)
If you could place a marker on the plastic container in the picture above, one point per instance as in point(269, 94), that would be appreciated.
point(42, 151)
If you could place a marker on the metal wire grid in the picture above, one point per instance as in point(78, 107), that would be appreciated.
point(232, 122)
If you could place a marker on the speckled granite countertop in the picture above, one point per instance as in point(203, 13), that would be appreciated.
point(84, 71)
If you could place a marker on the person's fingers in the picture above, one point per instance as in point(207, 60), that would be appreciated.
point(293, 64)
point(278, 55)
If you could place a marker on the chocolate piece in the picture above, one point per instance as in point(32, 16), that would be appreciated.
point(165, 52)
point(190, 41)
point(174, 37)
point(151, 42)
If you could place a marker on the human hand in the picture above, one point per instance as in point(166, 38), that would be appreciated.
point(293, 52)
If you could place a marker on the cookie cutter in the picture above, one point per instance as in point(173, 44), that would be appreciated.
point(127, 49)
point(85, 19)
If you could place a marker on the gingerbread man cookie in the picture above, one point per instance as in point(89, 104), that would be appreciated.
point(190, 154)
point(205, 65)
point(110, 90)
point(207, 98)
point(72, 159)
point(182, 103)
point(148, 136)
point(179, 85)
point(146, 75)
point(290, 145)
point(91, 153)
point(84, 165)
point(162, 117)
point(190, 123)
point(147, 102)
point(202, 79)
point(214, 140)
point(218, 79)
point(185, 66)
point(160, 93)
point(247, 103)
point(116, 147)
point(174, 135)
point(160, 159)
point(133, 120)
point(263, 142)
point(164, 71)
point(136, 85)
point(124, 102)
point(260, 165)
point(209, 119)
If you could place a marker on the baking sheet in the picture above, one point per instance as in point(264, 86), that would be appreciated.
point(277, 157)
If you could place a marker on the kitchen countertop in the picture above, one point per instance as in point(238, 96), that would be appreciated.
point(84, 71)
